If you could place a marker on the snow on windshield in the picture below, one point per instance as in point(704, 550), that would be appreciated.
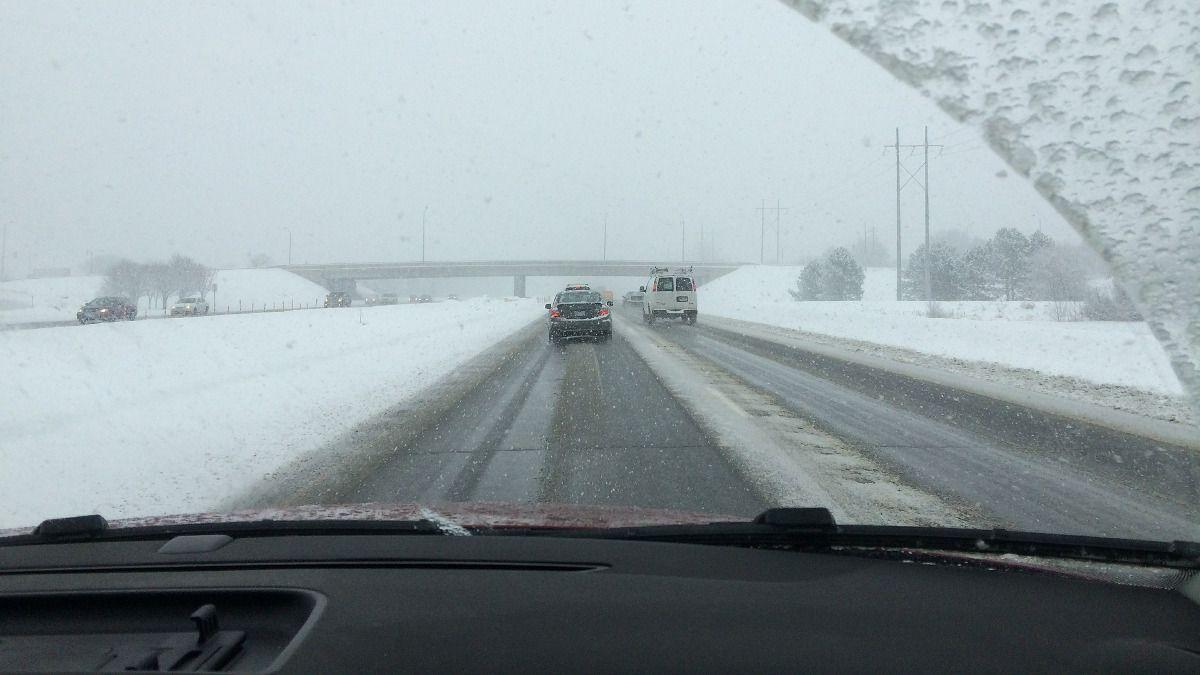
point(1095, 102)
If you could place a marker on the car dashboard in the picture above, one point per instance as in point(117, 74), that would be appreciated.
point(325, 603)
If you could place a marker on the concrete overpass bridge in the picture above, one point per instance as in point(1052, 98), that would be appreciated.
point(333, 275)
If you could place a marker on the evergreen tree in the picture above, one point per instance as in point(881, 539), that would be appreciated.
point(812, 281)
point(843, 276)
point(948, 274)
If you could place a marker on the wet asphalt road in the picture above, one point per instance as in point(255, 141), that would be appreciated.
point(589, 423)
point(581, 423)
point(1014, 467)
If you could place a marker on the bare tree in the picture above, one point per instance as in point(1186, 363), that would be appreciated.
point(126, 278)
point(160, 281)
point(189, 276)
point(1057, 273)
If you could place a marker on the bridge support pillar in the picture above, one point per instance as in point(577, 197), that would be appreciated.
point(519, 285)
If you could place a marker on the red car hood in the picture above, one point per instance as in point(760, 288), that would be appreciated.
point(472, 514)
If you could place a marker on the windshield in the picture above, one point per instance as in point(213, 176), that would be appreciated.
point(920, 263)
point(579, 297)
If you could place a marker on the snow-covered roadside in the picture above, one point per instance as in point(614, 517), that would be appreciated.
point(1109, 354)
point(155, 417)
point(788, 460)
point(43, 300)
point(26, 301)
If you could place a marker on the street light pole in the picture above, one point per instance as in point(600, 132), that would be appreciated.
point(604, 246)
point(289, 231)
point(423, 213)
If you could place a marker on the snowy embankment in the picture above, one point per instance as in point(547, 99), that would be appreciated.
point(160, 417)
point(1014, 334)
point(57, 299)
point(45, 300)
point(259, 288)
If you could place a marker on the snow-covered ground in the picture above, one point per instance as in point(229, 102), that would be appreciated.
point(52, 299)
point(175, 416)
point(1014, 334)
point(256, 288)
point(57, 299)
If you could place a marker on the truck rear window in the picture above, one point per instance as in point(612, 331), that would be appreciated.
point(683, 284)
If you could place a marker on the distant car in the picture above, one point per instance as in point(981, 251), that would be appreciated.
point(388, 299)
point(189, 306)
point(109, 308)
point(371, 300)
point(633, 298)
point(338, 299)
point(579, 314)
point(425, 298)
point(452, 296)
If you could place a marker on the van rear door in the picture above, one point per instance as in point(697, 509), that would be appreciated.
point(684, 296)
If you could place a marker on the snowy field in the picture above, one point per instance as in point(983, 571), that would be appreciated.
point(57, 299)
point(258, 287)
point(38, 300)
point(1015, 334)
point(161, 416)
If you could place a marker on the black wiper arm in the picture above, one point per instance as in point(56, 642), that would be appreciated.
point(96, 528)
point(815, 529)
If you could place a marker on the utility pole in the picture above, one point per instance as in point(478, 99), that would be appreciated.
point(702, 241)
point(898, 262)
point(762, 232)
point(289, 231)
point(778, 210)
point(604, 246)
point(928, 250)
point(682, 240)
point(924, 186)
point(3, 251)
point(423, 214)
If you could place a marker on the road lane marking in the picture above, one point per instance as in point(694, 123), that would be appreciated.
point(726, 400)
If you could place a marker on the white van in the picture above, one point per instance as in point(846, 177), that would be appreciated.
point(669, 294)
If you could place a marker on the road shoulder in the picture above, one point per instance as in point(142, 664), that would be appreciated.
point(788, 460)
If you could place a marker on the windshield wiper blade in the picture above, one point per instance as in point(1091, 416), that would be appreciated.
point(815, 529)
point(96, 528)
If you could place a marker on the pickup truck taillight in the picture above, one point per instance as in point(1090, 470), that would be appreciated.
point(554, 314)
point(603, 311)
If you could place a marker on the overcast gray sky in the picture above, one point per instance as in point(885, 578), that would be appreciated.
point(142, 129)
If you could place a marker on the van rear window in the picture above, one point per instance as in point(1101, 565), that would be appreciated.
point(683, 284)
point(665, 284)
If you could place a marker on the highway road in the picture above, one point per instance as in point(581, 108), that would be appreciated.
point(596, 423)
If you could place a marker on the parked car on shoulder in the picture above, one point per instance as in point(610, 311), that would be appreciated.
point(189, 306)
point(338, 299)
point(109, 308)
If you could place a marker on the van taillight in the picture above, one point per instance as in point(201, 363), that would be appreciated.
point(603, 311)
